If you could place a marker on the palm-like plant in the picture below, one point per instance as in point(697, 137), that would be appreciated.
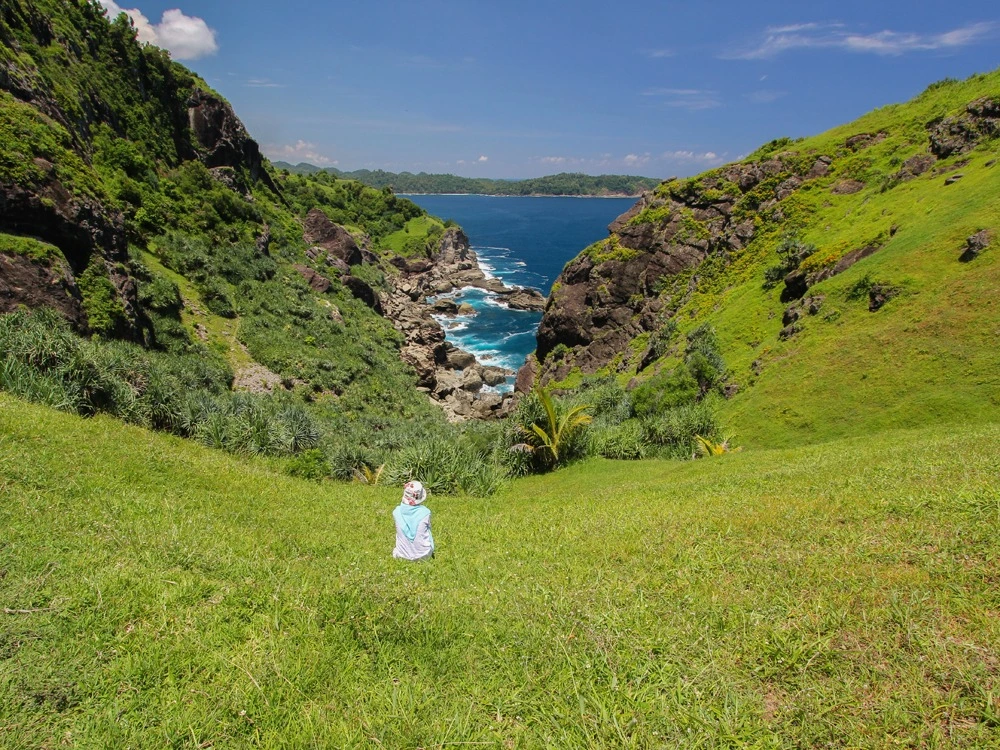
point(559, 428)
point(368, 475)
point(708, 449)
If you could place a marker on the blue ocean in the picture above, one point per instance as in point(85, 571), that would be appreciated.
point(524, 242)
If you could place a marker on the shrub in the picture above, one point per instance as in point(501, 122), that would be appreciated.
point(674, 432)
point(624, 442)
point(310, 464)
point(791, 252)
point(664, 391)
point(105, 312)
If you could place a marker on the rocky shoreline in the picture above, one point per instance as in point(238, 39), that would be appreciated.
point(451, 377)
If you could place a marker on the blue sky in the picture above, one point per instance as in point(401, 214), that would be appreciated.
point(520, 89)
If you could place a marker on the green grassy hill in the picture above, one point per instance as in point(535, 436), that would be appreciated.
point(157, 593)
point(928, 355)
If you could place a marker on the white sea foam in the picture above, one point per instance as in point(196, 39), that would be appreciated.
point(510, 336)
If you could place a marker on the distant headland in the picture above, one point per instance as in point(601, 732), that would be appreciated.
point(564, 184)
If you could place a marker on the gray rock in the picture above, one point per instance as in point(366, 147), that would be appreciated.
point(975, 245)
point(458, 359)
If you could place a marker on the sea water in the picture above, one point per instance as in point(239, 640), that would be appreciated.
point(524, 242)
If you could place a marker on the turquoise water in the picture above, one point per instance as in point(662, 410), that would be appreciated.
point(524, 242)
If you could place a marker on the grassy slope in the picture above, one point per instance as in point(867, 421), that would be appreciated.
point(781, 598)
point(930, 355)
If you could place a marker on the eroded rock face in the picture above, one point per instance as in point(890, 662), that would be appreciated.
point(222, 139)
point(604, 299)
point(338, 243)
point(34, 285)
point(82, 228)
point(961, 134)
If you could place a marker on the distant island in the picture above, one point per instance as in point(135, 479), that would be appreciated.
point(565, 183)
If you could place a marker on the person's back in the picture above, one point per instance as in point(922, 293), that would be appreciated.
point(413, 525)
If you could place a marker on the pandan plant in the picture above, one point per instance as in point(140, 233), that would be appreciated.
point(558, 429)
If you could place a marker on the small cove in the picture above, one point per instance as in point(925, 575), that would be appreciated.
point(523, 242)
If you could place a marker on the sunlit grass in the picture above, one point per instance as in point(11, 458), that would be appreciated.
point(834, 595)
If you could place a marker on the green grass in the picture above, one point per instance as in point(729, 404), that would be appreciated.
point(415, 237)
point(29, 247)
point(836, 595)
point(929, 356)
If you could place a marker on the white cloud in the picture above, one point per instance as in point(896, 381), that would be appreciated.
point(553, 160)
point(657, 54)
point(692, 100)
point(779, 39)
point(299, 151)
point(186, 37)
point(636, 160)
point(483, 159)
point(703, 157)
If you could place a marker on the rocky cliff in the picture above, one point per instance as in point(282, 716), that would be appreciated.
point(114, 101)
point(611, 303)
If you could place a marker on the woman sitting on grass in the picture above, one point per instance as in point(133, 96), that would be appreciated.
point(413, 525)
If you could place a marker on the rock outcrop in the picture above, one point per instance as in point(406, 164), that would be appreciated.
point(334, 239)
point(34, 285)
point(222, 139)
point(961, 134)
point(626, 285)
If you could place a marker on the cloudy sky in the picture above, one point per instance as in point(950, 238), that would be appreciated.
point(530, 87)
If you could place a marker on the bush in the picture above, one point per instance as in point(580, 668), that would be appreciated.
point(310, 464)
point(623, 442)
point(791, 252)
point(673, 433)
point(664, 391)
point(42, 360)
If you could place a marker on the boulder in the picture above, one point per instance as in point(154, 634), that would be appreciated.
point(525, 381)
point(337, 241)
point(847, 187)
point(820, 167)
point(864, 140)
point(915, 166)
point(315, 281)
point(494, 376)
point(975, 245)
point(524, 299)
point(445, 306)
point(472, 379)
point(457, 359)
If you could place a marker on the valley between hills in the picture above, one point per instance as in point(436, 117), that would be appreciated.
point(743, 494)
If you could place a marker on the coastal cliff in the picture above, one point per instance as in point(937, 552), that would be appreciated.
point(799, 257)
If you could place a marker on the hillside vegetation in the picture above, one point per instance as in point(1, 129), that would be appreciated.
point(162, 594)
point(851, 278)
point(565, 183)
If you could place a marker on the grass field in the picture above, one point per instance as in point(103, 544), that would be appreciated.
point(158, 594)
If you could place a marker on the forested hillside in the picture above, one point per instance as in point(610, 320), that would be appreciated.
point(565, 183)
